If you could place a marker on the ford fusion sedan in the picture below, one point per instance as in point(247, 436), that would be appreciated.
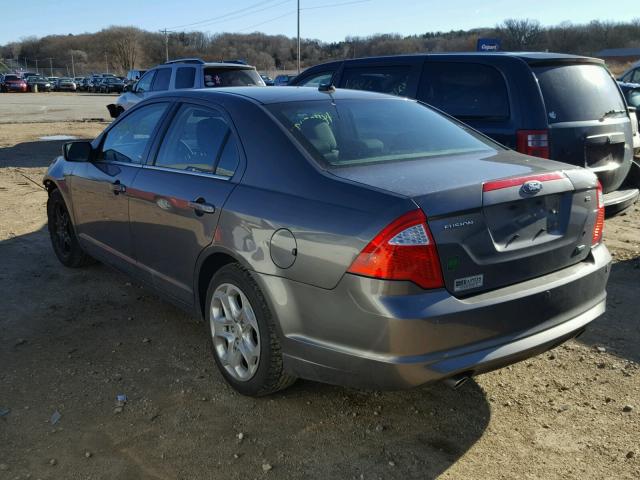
point(353, 238)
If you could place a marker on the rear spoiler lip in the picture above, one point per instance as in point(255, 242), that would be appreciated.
point(508, 182)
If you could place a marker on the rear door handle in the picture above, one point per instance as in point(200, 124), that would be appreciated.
point(201, 206)
point(117, 187)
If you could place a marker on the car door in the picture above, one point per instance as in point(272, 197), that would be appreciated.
point(177, 198)
point(99, 187)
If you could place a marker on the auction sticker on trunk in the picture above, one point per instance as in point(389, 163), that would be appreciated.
point(467, 283)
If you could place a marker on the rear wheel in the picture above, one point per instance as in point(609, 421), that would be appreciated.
point(244, 341)
point(63, 237)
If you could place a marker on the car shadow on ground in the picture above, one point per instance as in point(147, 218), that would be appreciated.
point(72, 339)
point(618, 330)
point(32, 154)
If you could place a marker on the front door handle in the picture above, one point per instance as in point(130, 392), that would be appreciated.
point(201, 206)
point(118, 188)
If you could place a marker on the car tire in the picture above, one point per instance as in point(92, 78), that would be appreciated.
point(62, 233)
point(245, 324)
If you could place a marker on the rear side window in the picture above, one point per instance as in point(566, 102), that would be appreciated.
point(465, 90)
point(144, 84)
point(199, 140)
point(185, 77)
point(392, 79)
point(231, 77)
point(163, 77)
point(578, 92)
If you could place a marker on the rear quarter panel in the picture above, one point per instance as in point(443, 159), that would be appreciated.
point(331, 219)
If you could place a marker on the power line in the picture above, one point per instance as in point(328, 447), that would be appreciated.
point(229, 14)
point(267, 21)
point(336, 4)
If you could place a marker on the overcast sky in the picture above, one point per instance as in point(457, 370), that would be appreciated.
point(327, 20)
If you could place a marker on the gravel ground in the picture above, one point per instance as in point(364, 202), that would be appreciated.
point(53, 106)
point(72, 340)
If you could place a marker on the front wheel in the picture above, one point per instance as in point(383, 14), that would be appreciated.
point(244, 341)
point(63, 237)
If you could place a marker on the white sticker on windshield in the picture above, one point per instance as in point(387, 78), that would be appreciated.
point(467, 283)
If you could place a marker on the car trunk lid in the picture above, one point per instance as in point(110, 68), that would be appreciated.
point(496, 220)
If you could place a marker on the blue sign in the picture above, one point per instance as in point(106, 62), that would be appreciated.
point(488, 45)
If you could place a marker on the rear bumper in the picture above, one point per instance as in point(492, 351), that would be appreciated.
point(619, 200)
point(376, 334)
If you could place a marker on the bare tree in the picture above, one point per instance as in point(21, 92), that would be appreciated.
point(524, 34)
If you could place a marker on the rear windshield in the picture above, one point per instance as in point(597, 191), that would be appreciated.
point(230, 77)
point(348, 132)
point(578, 92)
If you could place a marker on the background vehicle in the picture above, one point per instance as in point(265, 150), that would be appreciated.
point(282, 80)
point(13, 83)
point(268, 81)
point(307, 256)
point(133, 76)
point(43, 83)
point(548, 105)
point(111, 84)
point(65, 84)
point(632, 75)
point(52, 80)
point(95, 84)
point(187, 73)
point(631, 92)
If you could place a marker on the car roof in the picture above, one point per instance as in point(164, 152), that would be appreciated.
point(267, 95)
point(529, 57)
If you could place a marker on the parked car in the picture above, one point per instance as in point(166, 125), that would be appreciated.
point(354, 238)
point(43, 83)
point(549, 105)
point(631, 75)
point(96, 84)
point(268, 81)
point(183, 74)
point(111, 84)
point(52, 80)
point(78, 82)
point(283, 80)
point(26, 75)
point(631, 92)
point(65, 84)
point(13, 83)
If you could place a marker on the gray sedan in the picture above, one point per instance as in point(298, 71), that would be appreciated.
point(342, 236)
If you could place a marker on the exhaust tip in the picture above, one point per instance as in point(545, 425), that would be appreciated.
point(456, 381)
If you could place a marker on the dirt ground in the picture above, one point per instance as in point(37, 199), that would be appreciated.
point(71, 340)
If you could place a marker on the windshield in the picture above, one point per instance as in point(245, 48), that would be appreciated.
point(231, 77)
point(349, 132)
point(578, 92)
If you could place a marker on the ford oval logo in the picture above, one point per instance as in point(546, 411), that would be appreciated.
point(531, 187)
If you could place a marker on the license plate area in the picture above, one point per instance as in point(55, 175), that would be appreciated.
point(604, 155)
point(528, 222)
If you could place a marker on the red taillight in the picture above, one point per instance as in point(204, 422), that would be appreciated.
point(516, 181)
point(599, 226)
point(534, 142)
point(404, 250)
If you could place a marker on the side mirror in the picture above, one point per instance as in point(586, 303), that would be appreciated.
point(126, 88)
point(77, 151)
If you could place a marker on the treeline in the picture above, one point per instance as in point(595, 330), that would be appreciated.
point(119, 49)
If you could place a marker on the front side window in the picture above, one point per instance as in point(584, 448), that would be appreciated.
point(575, 93)
point(144, 84)
point(635, 77)
point(465, 90)
point(350, 132)
point(316, 80)
point(199, 140)
point(163, 77)
point(128, 139)
point(185, 76)
point(392, 79)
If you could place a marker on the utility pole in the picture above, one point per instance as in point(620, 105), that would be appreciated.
point(50, 67)
point(106, 61)
point(37, 66)
point(25, 64)
point(73, 66)
point(298, 37)
point(166, 43)
point(67, 65)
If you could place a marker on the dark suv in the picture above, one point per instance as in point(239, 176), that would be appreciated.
point(549, 105)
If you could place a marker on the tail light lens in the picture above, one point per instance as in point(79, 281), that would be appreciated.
point(404, 250)
point(599, 226)
point(534, 142)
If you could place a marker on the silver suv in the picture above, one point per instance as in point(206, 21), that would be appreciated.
point(186, 73)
